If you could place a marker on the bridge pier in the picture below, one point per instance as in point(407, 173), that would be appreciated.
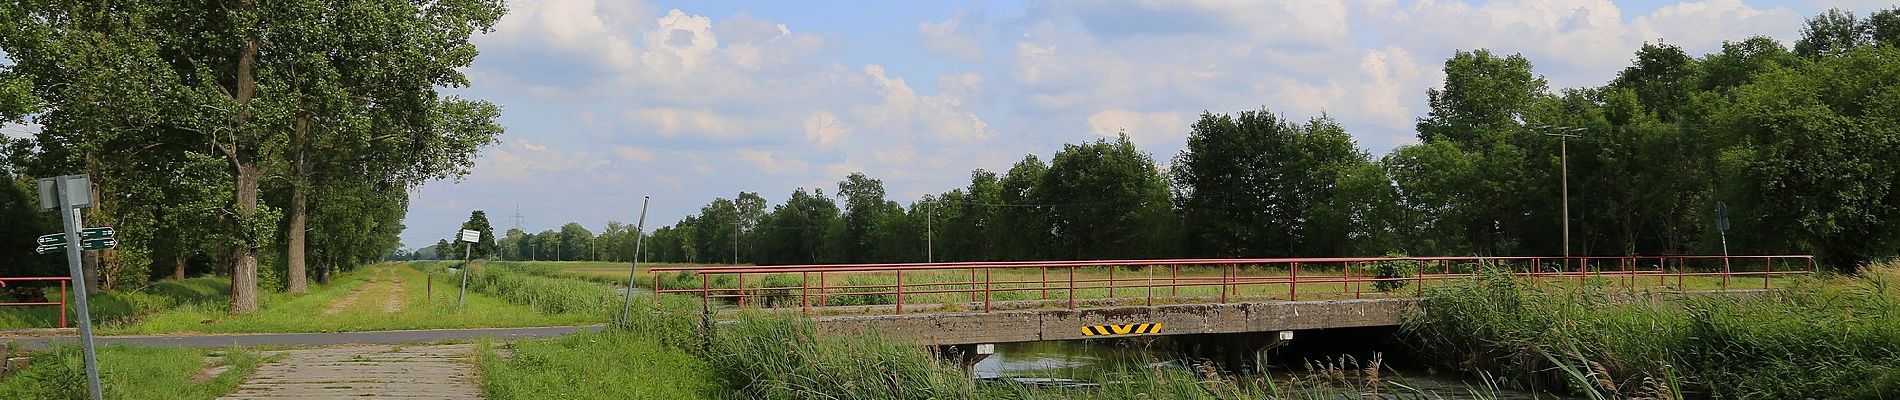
point(1237, 352)
point(965, 356)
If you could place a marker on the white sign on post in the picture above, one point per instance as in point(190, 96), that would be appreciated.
point(471, 236)
point(468, 238)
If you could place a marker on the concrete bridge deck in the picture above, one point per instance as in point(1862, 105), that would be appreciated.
point(1068, 324)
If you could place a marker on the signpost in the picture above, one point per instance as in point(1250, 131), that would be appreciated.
point(89, 239)
point(67, 194)
point(1721, 226)
point(468, 238)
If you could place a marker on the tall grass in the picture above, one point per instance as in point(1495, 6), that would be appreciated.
point(128, 373)
point(1833, 337)
point(545, 287)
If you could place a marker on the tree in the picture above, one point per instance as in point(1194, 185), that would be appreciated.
point(1251, 185)
point(442, 249)
point(865, 209)
point(1023, 225)
point(1816, 170)
point(1107, 200)
point(485, 247)
point(576, 243)
point(232, 79)
point(1832, 33)
point(795, 233)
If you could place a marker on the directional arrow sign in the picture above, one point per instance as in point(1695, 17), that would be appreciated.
point(103, 232)
point(56, 238)
point(98, 244)
point(49, 248)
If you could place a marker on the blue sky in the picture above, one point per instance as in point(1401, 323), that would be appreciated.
point(606, 101)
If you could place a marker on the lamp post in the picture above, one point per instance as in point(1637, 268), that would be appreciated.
point(1563, 134)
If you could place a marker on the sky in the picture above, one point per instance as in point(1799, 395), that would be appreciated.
point(607, 101)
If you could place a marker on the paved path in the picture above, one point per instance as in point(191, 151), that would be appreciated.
point(384, 372)
point(309, 339)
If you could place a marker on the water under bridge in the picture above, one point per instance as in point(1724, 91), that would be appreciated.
point(965, 303)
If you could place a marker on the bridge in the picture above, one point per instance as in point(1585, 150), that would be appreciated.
point(962, 304)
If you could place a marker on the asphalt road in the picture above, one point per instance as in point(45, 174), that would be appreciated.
point(306, 339)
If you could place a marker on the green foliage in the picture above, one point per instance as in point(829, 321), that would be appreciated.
point(484, 247)
point(543, 287)
point(1107, 200)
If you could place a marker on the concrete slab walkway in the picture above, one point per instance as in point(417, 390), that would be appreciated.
point(383, 372)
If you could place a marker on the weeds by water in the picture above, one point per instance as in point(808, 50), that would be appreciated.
point(1822, 338)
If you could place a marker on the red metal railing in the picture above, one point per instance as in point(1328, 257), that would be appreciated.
point(1203, 280)
point(63, 282)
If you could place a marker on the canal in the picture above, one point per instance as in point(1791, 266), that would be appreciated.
point(1339, 358)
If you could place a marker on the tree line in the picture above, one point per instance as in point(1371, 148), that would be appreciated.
point(225, 135)
point(1798, 142)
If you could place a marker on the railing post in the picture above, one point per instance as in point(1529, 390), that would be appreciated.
point(62, 301)
point(1174, 280)
point(705, 292)
point(1045, 283)
point(1682, 269)
point(1418, 280)
point(824, 291)
point(1150, 269)
point(1223, 282)
point(1769, 273)
point(900, 291)
point(1111, 281)
point(656, 286)
point(1072, 287)
point(986, 290)
point(804, 293)
point(742, 291)
point(1293, 287)
point(973, 283)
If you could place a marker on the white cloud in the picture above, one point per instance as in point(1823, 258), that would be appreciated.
point(633, 154)
point(772, 162)
point(824, 129)
point(523, 161)
point(942, 117)
point(1144, 128)
point(953, 38)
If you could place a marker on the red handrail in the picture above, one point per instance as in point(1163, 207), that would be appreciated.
point(63, 282)
point(1233, 277)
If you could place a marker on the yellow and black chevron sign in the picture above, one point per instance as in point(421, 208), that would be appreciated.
point(1122, 329)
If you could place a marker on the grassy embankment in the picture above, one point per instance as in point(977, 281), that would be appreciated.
point(130, 373)
point(378, 297)
point(1831, 337)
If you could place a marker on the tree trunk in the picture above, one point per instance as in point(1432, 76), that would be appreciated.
point(178, 270)
point(299, 219)
point(243, 258)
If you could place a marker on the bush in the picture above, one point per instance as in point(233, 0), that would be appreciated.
point(1392, 274)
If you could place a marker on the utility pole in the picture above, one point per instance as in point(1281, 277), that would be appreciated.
point(639, 238)
point(735, 231)
point(1563, 135)
point(930, 234)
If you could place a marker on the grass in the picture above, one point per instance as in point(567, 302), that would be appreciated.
point(1830, 337)
point(358, 301)
point(604, 365)
point(128, 373)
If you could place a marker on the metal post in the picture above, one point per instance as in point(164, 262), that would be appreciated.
point(639, 239)
point(70, 214)
point(461, 296)
point(930, 235)
point(1725, 267)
